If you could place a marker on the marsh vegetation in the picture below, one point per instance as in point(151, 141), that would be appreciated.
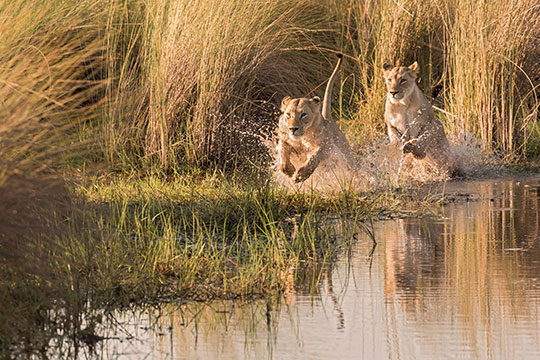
point(133, 140)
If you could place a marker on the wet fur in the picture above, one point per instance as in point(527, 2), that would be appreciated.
point(411, 122)
point(307, 135)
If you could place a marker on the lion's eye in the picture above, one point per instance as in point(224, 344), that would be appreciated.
point(287, 115)
point(303, 115)
point(402, 81)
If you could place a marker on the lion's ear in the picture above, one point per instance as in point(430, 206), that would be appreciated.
point(285, 102)
point(414, 67)
point(315, 104)
point(387, 68)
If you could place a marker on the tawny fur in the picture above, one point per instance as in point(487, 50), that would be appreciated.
point(411, 121)
point(307, 135)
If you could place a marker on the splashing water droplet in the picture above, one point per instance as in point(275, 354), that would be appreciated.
point(382, 164)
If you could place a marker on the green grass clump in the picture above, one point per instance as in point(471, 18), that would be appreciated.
point(216, 238)
point(114, 241)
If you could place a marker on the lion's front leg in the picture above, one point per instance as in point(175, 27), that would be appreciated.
point(430, 134)
point(394, 134)
point(412, 147)
point(285, 164)
point(418, 146)
point(313, 161)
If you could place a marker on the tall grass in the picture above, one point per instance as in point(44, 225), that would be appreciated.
point(50, 54)
point(483, 55)
point(492, 77)
point(206, 70)
point(196, 77)
point(188, 82)
point(194, 82)
point(378, 31)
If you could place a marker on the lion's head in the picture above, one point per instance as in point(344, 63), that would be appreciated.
point(400, 80)
point(298, 115)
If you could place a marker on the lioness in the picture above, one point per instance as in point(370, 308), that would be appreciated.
point(411, 121)
point(307, 135)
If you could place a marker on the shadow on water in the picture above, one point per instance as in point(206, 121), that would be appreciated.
point(461, 285)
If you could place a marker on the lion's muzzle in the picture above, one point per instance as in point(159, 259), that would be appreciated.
point(295, 133)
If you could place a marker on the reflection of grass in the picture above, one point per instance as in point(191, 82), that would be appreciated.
point(483, 286)
point(488, 284)
point(32, 281)
point(476, 259)
point(200, 237)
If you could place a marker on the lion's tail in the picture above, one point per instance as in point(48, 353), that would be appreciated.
point(326, 108)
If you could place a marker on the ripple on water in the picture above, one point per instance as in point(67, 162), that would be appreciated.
point(457, 288)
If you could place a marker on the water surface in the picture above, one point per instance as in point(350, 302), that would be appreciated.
point(464, 285)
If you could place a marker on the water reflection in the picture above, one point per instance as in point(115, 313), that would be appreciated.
point(464, 285)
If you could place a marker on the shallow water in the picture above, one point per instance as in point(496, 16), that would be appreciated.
point(465, 285)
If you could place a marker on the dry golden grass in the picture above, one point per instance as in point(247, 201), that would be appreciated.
point(205, 70)
point(166, 84)
point(483, 54)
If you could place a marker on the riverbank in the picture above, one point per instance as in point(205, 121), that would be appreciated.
point(113, 242)
point(110, 241)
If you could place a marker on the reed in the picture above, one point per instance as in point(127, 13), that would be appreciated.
point(48, 82)
point(492, 79)
point(170, 84)
point(482, 54)
point(205, 73)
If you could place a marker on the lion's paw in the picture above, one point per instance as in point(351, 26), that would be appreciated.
point(288, 169)
point(410, 147)
point(302, 174)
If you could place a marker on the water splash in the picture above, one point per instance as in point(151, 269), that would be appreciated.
point(382, 165)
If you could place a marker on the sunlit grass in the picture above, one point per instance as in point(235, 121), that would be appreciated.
point(161, 85)
point(214, 237)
